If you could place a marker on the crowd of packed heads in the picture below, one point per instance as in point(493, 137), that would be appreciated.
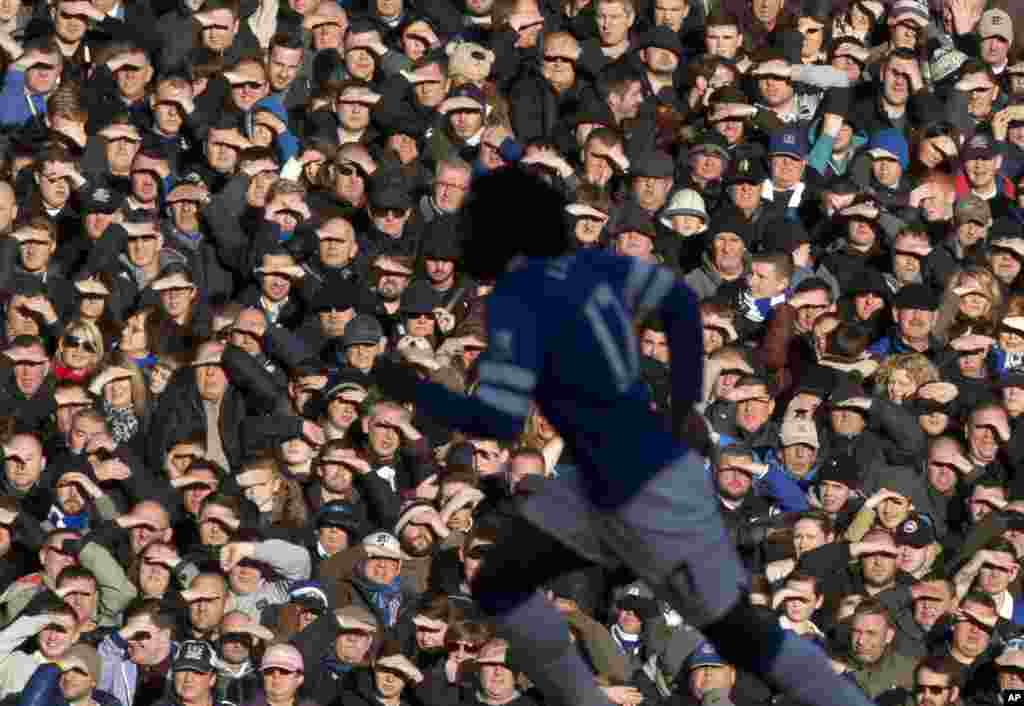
point(216, 216)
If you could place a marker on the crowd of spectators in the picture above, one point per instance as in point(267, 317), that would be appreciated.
point(216, 215)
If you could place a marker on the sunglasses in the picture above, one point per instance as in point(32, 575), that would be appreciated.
point(932, 689)
point(987, 629)
point(140, 636)
point(28, 364)
point(467, 647)
point(389, 212)
point(238, 638)
point(80, 343)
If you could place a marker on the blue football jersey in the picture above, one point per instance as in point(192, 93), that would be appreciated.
point(561, 333)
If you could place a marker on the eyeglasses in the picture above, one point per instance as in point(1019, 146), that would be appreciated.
point(933, 689)
point(80, 343)
point(453, 186)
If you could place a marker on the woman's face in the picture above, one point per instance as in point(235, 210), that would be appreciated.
point(900, 386)
point(807, 535)
point(158, 379)
point(974, 306)
point(78, 352)
point(91, 308)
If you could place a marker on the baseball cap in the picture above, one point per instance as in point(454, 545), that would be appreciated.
point(283, 656)
point(382, 545)
point(996, 23)
point(799, 431)
point(338, 513)
point(841, 468)
point(890, 144)
point(363, 329)
point(466, 97)
point(705, 655)
point(790, 141)
point(101, 199)
point(713, 142)
point(746, 170)
point(84, 658)
point(972, 209)
point(916, 296)
point(915, 531)
point(979, 147)
point(352, 617)
point(308, 594)
point(195, 656)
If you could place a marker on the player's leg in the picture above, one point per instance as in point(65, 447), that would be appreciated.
point(507, 591)
point(672, 535)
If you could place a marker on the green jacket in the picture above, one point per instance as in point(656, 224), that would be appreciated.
point(893, 671)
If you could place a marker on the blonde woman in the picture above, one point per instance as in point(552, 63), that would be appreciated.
point(79, 352)
point(121, 389)
point(900, 376)
point(973, 296)
point(539, 434)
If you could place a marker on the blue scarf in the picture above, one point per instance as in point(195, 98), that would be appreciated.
point(59, 520)
point(335, 666)
point(386, 597)
point(146, 363)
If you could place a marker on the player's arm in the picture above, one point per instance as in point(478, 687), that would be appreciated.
point(507, 378)
point(655, 290)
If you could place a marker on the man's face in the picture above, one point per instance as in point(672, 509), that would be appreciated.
point(70, 497)
point(382, 571)
point(670, 13)
point(892, 511)
point(755, 411)
point(133, 78)
point(972, 638)
point(76, 685)
point(250, 87)
point(177, 301)
point(727, 251)
point(361, 356)
point(765, 281)
point(808, 535)
point(879, 568)
point(707, 165)
point(994, 51)
point(915, 324)
point(733, 483)
point(634, 244)
point(847, 422)
point(337, 243)
point(626, 105)
point(70, 28)
point(391, 283)
point(896, 81)
point(613, 23)
point(982, 438)
point(194, 687)
point(36, 251)
point(722, 40)
point(815, 303)
point(933, 688)
point(776, 90)
point(82, 596)
point(833, 496)
point(439, 272)
point(352, 645)
point(58, 637)
point(869, 636)
point(360, 63)
point(220, 152)
point(24, 462)
point(206, 614)
point(121, 152)
point(143, 249)
point(211, 381)
point(219, 31)
point(284, 67)
point(654, 344)
point(353, 114)
point(799, 458)
point(167, 112)
point(928, 610)
point(746, 195)
point(886, 171)
point(156, 527)
point(498, 682)
point(981, 173)
point(450, 189)
point(942, 474)
point(384, 434)
point(980, 99)
point(787, 171)
point(800, 607)
point(54, 190)
point(473, 558)
point(984, 500)
point(766, 11)
point(993, 579)
point(417, 540)
point(651, 192)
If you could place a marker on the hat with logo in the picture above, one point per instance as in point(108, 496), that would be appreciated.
point(195, 656)
point(799, 431)
point(790, 142)
point(915, 531)
point(972, 209)
point(705, 655)
point(841, 468)
point(309, 594)
point(909, 11)
point(465, 97)
point(339, 513)
point(382, 545)
point(746, 170)
point(996, 23)
point(890, 144)
point(101, 199)
point(364, 329)
point(469, 59)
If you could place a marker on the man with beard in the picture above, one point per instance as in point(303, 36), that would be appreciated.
point(392, 274)
point(420, 530)
point(937, 682)
point(736, 471)
point(71, 682)
point(873, 663)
